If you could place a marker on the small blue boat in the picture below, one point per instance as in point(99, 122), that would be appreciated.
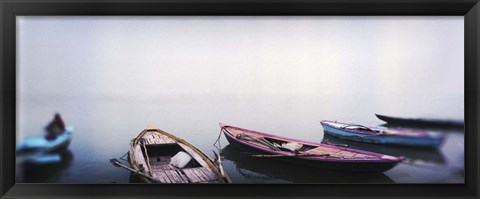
point(378, 135)
point(39, 150)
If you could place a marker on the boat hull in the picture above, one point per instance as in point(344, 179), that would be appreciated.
point(38, 147)
point(346, 165)
point(424, 141)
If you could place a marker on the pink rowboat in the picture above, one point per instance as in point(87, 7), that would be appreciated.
point(308, 153)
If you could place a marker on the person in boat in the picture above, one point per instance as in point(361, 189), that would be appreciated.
point(55, 128)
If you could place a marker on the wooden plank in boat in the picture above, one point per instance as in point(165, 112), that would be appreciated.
point(322, 150)
point(184, 177)
point(164, 176)
point(164, 140)
point(169, 140)
point(346, 154)
point(169, 176)
point(156, 141)
point(200, 175)
point(329, 149)
point(159, 177)
point(206, 173)
point(173, 176)
point(197, 179)
point(189, 175)
point(359, 155)
point(192, 176)
point(179, 176)
point(209, 173)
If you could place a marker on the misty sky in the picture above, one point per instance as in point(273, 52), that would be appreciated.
point(312, 56)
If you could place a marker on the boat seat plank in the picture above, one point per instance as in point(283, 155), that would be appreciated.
point(170, 175)
point(160, 176)
point(359, 155)
point(346, 154)
point(191, 176)
point(200, 174)
point(208, 173)
point(176, 175)
point(183, 177)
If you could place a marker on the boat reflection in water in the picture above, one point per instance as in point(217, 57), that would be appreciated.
point(267, 170)
point(432, 155)
point(48, 172)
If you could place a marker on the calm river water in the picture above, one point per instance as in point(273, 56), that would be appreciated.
point(109, 86)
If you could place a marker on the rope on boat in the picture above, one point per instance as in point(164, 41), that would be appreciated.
point(218, 160)
point(261, 140)
point(123, 157)
point(218, 138)
point(363, 127)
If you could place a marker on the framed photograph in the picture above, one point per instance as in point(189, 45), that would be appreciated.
point(268, 99)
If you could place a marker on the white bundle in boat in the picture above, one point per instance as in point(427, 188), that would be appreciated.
point(292, 146)
point(180, 159)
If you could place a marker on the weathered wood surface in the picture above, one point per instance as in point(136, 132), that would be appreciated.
point(138, 158)
point(159, 167)
point(166, 173)
point(200, 175)
point(319, 150)
point(153, 137)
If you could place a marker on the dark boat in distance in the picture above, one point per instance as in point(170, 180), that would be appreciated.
point(161, 157)
point(421, 121)
point(308, 153)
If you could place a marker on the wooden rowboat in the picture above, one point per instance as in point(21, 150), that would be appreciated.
point(421, 121)
point(310, 153)
point(151, 153)
point(377, 135)
point(261, 170)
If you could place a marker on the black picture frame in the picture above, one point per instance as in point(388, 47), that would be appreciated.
point(9, 9)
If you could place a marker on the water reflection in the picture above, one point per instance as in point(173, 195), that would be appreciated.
point(263, 170)
point(412, 153)
point(134, 178)
point(51, 172)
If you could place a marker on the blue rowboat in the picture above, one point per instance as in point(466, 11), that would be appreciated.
point(378, 135)
point(39, 150)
